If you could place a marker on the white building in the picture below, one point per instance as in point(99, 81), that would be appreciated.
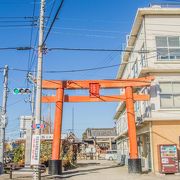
point(154, 49)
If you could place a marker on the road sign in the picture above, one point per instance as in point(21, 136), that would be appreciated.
point(35, 154)
point(38, 126)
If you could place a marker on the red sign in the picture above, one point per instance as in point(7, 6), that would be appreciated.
point(38, 126)
point(94, 90)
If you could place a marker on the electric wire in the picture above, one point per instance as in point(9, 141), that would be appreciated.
point(98, 50)
point(30, 43)
point(18, 17)
point(79, 49)
point(34, 56)
point(53, 21)
point(53, 5)
point(31, 34)
point(22, 21)
point(16, 102)
point(17, 25)
point(25, 48)
point(80, 70)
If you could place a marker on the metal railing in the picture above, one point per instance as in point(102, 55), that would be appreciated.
point(165, 5)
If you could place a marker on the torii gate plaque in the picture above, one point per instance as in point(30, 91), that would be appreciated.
point(134, 163)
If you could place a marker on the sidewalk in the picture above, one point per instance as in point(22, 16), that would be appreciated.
point(97, 170)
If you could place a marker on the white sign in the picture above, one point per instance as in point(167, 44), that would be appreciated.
point(165, 160)
point(46, 136)
point(35, 153)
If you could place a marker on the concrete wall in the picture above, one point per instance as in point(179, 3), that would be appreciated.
point(161, 25)
point(164, 132)
point(158, 113)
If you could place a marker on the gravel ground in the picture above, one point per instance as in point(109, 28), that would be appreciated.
point(97, 170)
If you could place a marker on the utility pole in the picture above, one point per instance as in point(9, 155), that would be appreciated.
point(39, 66)
point(39, 85)
point(3, 118)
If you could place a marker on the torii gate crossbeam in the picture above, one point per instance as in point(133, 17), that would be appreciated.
point(134, 163)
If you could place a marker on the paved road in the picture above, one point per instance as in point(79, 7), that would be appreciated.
point(98, 170)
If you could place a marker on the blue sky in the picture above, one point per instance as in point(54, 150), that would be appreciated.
point(81, 24)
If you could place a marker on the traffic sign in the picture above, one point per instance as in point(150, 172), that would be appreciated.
point(38, 126)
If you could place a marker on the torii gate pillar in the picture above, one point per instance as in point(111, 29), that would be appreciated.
point(134, 163)
point(55, 164)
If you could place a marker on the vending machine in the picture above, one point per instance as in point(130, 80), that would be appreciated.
point(168, 158)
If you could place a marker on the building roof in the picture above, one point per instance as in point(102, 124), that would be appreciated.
point(141, 12)
point(95, 132)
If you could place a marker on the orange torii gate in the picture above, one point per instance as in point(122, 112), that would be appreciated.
point(94, 86)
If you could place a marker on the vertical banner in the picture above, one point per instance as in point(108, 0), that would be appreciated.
point(35, 153)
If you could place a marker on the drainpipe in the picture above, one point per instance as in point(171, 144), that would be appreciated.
point(151, 147)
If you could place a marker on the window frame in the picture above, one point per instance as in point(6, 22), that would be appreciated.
point(172, 94)
point(169, 49)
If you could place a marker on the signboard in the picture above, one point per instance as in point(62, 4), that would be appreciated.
point(25, 122)
point(94, 90)
point(35, 153)
point(46, 136)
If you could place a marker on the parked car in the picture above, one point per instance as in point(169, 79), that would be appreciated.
point(111, 155)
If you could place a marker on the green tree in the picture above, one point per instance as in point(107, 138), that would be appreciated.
point(19, 154)
point(46, 151)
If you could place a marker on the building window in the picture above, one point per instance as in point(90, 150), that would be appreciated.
point(168, 48)
point(170, 94)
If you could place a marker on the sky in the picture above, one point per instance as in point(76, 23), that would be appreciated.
point(81, 24)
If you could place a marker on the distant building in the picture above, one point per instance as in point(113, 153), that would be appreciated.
point(153, 48)
point(104, 138)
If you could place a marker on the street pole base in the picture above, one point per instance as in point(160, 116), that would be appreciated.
point(134, 166)
point(55, 167)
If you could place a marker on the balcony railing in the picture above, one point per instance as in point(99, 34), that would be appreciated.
point(165, 5)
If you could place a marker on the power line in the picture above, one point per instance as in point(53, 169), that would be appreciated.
point(51, 12)
point(17, 25)
point(31, 34)
point(97, 50)
point(18, 17)
point(86, 29)
point(34, 55)
point(16, 102)
point(54, 19)
point(85, 69)
point(79, 49)
point(19, 21)
point(16, 48)
point(86, 35)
